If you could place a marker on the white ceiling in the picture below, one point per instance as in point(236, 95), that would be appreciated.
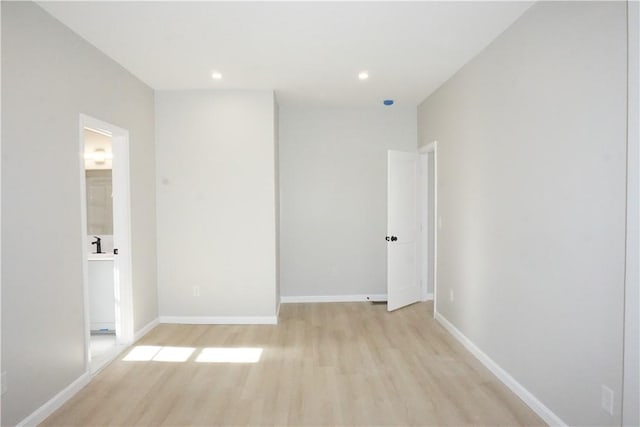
point(309, 52)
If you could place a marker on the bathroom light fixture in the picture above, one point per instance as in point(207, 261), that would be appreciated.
point(216, 75)
point(99, 156)
point(363, 75)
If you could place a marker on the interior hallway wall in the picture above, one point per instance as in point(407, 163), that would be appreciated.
point(49, 77)
point(531, 167)
point(631, 404)
point(333, 181)
point(217, 209)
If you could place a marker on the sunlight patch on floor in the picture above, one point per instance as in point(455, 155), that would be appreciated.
point(174, 354)
point(142, 353)
point(146, 353)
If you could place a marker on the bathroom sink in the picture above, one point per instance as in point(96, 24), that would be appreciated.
point(100, 257)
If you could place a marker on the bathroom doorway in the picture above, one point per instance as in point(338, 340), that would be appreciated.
point(98, 165)
point(106, 240)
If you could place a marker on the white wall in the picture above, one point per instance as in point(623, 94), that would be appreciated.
point(216, 203)
point(1, 365)
point(531, 169)
point(49, 77)
point(333, 182)
point(631, 405)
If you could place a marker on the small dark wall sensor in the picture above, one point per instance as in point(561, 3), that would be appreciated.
point(388, 102)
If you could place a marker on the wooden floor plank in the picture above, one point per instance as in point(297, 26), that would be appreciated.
point(338, 364)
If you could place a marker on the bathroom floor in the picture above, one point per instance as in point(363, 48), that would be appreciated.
point(101, 347)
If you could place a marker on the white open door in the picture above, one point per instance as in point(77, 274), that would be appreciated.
point(403, 287)
point(122, 237)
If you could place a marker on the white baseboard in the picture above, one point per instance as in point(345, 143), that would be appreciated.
point(538, 407)
point(99, 364)
point(220, 320)
point(146, 329)
point(427, 297)
point(40, 414)
point(333, 298)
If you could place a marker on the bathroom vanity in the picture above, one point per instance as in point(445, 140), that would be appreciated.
point(101, 293)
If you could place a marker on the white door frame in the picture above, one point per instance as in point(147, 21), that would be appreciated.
point(121, 236)
point(423, 198)
point(423, 185)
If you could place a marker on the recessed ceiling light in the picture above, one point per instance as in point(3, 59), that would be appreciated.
point(363, 75)
point(216, 75)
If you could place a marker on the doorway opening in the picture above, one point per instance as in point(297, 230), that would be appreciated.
point(98, 164)
point(411, 226)
point(428, 228)
point(106, 240)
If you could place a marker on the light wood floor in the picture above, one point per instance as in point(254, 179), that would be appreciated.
point(325, 364)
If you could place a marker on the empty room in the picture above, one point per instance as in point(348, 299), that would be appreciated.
point(314, 213)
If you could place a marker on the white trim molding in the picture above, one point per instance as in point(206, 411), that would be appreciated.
point(145, 329)
point(105, 359)
point(122, 234)
point(220, 320)
point(538, 407)
point(333, 298)
point(40, 414)
point(432, 147)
